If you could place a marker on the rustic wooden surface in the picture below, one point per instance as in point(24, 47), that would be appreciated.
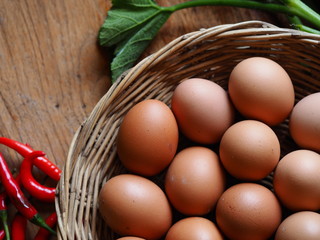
point(52, 72)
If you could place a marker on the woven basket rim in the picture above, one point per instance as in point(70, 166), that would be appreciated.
point(226, 30)
point(66, 190)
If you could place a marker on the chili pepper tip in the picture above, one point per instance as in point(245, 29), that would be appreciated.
point(38, 220)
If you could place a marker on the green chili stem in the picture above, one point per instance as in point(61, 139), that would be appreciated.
point(4, 219)
point(40, 222)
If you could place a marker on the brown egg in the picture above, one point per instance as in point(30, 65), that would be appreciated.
point(132, 205)
point(195, 180)
point(304, 225)
point(248, 211)
point(304, 122)
point(131, 238)
point(194, 228)
point(249, 150)
point(261, 89)
point(296, 180)
point(148, 138)
point(203, 110)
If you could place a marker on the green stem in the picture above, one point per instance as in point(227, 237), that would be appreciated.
point(38, 220)
point(296, 22)
point(234, 3)
point(306, 29)
point(304, 11)
point(4, 219)
point(292, 7)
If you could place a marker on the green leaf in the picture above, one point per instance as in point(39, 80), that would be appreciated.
point(129, 51)
point(125, 18)
point(130, 26)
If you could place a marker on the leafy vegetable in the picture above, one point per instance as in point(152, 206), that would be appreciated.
point(132, 24)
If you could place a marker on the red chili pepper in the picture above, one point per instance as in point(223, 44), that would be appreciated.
point(35, 189)
point(44, 164)
point(4, 214)
point(2, 234)
point(17, 197)
point(43, 234)
point(18, 227)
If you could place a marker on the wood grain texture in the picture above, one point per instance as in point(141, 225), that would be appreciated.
point(52, 71)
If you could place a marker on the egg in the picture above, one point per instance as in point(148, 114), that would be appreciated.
point(304, 123)
point(296, 180)
point(300, 225)
point(194, 228)
point(203, 110)
point(148, 138)
point(261, 89)
point(132, 205)
point(249, 150)
point(248, 211)
point(195, 180)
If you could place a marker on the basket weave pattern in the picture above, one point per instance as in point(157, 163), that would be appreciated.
point(208, 53)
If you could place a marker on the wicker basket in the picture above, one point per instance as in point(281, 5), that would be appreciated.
point(207, 53)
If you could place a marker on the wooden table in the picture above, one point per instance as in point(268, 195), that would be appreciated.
point(53, 72)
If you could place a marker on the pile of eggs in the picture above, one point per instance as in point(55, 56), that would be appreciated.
point(196, 199)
